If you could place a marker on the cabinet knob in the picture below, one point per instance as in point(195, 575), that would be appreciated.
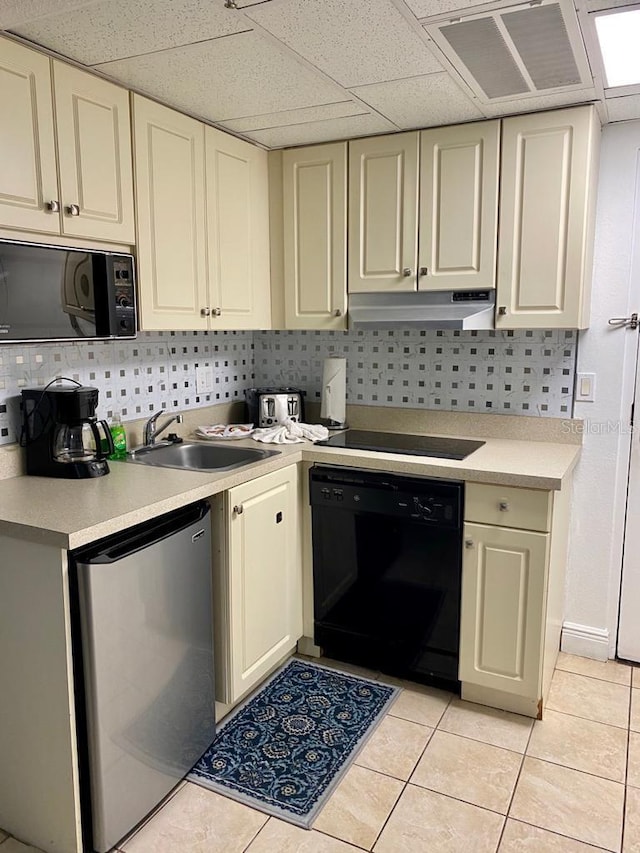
point(52, 206)
point(503, 506)
point(238, 509)
point(337, 312)
point(424, 270)
point(407, 271)
point(502, 310)
point(468, 543)
point(205, 312)
point(73, 210)
point(216, 312)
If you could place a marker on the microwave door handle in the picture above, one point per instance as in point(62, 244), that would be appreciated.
point(107, 434)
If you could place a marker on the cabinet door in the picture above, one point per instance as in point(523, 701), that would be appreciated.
point(169, 157)
point(503, 608)
point(549, 163)
point(265, 583)
point(383, 213)
point(94, 156)
point(458, 227)
point(237, 232)
point(28, 177)
point(315, 236)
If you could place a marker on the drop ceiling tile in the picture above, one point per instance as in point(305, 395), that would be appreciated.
point(428, 101)
point(597, 5)
point(623, 109)
point(430, 8)
point(540, 102)
point(117, 29)
point(353, 41)
point(290, 117)
point(322, 131)
point(14, 12)
point(226, 78)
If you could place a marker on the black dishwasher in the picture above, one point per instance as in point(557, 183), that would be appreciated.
point(387, 561)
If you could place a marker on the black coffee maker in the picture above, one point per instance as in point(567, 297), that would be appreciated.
point(62, 435)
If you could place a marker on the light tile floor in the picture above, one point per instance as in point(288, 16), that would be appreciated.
point(445, 776)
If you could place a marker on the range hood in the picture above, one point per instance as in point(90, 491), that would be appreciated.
point(445, 309)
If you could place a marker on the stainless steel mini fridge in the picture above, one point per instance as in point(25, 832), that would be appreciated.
point(146, 703)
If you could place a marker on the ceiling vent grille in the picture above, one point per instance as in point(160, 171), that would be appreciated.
point(516, 52)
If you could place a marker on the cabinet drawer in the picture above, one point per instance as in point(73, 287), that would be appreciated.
point(506, 506)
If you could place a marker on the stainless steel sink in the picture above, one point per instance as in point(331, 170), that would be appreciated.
point(195, 456)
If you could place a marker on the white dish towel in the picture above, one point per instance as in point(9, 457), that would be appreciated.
point(290, 432)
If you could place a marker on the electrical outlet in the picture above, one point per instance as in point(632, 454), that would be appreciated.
point(204, 379)
point(585, 387)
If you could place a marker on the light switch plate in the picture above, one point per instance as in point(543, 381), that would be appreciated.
point(204, 379)
point(585, 387)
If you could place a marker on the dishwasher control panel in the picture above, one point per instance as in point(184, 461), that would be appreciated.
point(419, 499)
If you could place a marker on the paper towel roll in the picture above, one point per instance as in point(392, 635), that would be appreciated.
point(334, 392)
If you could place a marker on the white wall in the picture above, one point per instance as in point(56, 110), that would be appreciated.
point(598, 505)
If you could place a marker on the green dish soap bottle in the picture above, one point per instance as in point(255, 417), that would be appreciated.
point(119, 437)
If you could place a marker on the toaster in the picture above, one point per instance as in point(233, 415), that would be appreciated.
point(268, 406)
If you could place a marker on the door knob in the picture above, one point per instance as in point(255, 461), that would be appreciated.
point(502, 310)
point(53, 206)
point(216, 312)
point(424, 270)
point(337, 313)
point(205, 312)
point(407, 271)
point(238, 509)
point(503, 506)
point(73, 210)
point(468, 543)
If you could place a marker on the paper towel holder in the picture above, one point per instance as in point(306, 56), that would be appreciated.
point(333, 407)
point(331, 424)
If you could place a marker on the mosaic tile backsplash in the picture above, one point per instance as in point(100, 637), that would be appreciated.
point(523, 373)
point(134, 377)
point(517, 373)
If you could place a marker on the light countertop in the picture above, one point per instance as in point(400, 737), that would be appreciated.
point(71, 513)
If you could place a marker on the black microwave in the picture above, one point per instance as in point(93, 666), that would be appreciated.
point(54, 293)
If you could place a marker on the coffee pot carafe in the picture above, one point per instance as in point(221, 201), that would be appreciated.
point(62, 436)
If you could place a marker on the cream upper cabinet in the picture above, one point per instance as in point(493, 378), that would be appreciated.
point(458, 223)
point(257, 581)
point(448, 242)
point(237, 203)
point(315, 233)
point(94, 156)
point(170, 201)
point(547, 198)
point(28, 176)
point(88, 191)
point(383, 213)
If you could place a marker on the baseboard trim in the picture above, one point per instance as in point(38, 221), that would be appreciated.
point(584, 640)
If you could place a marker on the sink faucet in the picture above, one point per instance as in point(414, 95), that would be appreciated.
point(151, 430)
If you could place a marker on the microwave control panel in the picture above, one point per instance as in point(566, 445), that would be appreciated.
point(123, 290)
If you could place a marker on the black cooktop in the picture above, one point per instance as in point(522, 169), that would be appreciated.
point(392, 442)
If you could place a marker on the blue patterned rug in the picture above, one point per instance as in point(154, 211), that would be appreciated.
point(285, 749)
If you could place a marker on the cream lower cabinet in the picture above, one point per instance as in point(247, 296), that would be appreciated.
point(547, 213)
point(512, 595)
point(86, 190)
point(257, 580)
point(315, 236)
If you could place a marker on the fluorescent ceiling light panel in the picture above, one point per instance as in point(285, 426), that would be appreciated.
point(619, 38)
